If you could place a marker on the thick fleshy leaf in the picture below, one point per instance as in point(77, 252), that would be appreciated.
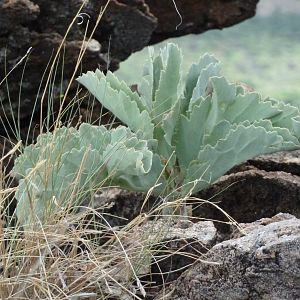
point(118, 85)
point(203, 87)
point(71, 168)
point(96, 137)
point(190, 133)
point(145, 182)
point(126, 154)
point(122, 104)
point(48, 147)
point(167, 94)
point(289, 118)
point(239, 145)
point(198, 76)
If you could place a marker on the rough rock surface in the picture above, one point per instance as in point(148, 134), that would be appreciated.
point(184, 240)
point(197, 16)
point(288, 162)
point(262, 187)
point(263, 264)
point(127, 26)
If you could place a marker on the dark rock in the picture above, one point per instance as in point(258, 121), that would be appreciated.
point(263, 264)
point(250, 195)
point(16, 12)
point(288, 162)
point(197, 16)
point(5, 158)
point(258, 188)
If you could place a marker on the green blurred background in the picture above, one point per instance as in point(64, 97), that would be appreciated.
point(263, 52)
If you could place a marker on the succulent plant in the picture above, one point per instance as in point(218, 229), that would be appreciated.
point(181, 134)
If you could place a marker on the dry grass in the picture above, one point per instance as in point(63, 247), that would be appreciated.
point(71, 259)
point(80, 256)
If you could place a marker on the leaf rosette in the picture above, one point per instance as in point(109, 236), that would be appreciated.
point(180, 133)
